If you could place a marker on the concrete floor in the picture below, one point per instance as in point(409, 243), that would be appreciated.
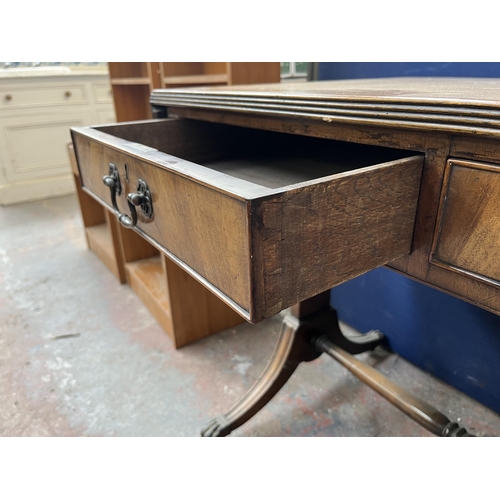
point(120, 376)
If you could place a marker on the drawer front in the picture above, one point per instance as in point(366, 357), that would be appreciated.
point(102, 93)
point(311, 239)
point(260, 247)
point(467, 236)
point(202, 228)
point(39, 96)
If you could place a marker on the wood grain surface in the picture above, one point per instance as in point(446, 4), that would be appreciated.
point(467, 237)
point(439, 104)
point(439, 118)
point(310, 239)
point(436, 146)
point(322, 213)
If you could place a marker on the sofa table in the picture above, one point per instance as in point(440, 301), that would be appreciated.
point(270, 195)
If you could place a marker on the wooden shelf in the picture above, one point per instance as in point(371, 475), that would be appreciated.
point(128, 70)
point(185, 309)
point(130, 81)
point(196, 79)
point(101, 242)
point(133, 82)
point(171, 69)
point(147, 279)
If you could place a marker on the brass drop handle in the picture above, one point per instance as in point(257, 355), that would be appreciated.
point(141, 198)
point(8, 97)
point(67, 93)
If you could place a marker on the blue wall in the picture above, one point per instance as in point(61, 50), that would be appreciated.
point(339, 71)
point(455, 341)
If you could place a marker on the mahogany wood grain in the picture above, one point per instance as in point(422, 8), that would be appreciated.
point(294, 217)
point(291, 349)
point(467, 237)
point(464, 105)
point(420, 411)
point(312, 328)
point(437, 145)
point(440, 118)
point(475, 148)
point(192, 215)
point(310, 239)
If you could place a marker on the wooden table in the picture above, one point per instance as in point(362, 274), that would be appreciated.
point(271, 195)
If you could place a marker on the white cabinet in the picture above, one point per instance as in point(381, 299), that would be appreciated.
point(36, 113)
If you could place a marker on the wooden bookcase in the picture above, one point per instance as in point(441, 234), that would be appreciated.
point(185, 309)
point(132, 82)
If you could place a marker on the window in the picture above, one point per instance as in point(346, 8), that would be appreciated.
point(293, 70)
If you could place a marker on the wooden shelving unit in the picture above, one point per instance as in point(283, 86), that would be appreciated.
point(185, 309)
point(194, 73)
point(132, 82)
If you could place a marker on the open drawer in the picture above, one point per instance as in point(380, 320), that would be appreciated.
point(263, 219)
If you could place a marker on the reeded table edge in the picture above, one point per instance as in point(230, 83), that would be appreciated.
point(463, 105)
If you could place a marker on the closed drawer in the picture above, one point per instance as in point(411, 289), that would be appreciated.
point(41, 95)
point(34, 146)
point(102, 93)
point(467, 236)
point(263, 219)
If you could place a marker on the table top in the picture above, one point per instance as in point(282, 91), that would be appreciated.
point(470, 105)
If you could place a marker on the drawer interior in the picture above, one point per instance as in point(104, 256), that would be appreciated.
point(266, 158)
